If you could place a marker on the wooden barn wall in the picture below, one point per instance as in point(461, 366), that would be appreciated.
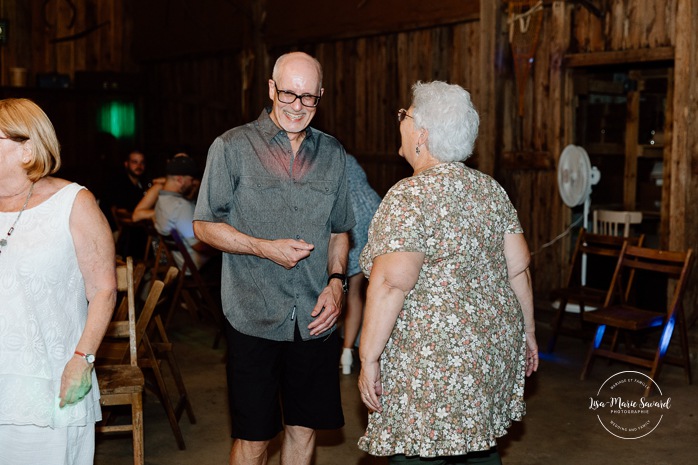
point(191, 102)
point(194, 97)
point(368, 79)
point(55, 37)
point(62, 42)
point(531, 144)
point(625, 25)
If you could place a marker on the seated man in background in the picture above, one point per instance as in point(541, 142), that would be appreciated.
point(124, 190)
point(175, 210)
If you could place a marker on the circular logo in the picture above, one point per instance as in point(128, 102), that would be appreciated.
point(622, 408)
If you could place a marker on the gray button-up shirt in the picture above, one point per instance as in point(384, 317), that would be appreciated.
point(254, 183)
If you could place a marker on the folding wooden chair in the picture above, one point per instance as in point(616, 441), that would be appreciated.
point(609, 222)
point(157, 350)
point(121, 312)
point(601, 253)
point(625, 311)
point(196, 292)
point(122, 384)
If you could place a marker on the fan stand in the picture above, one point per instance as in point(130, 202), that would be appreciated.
point(574, 167)
point(587, 203)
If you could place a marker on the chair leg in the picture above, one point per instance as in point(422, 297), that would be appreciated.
point(165, 400)
point(664, 341)
point(556, 325)
point(595, 343)
point(166, 347)
point(683, 339)
point(179, 382)
point(216, 314)
point(137, 424)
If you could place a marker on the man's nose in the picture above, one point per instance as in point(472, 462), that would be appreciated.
point(297, 105)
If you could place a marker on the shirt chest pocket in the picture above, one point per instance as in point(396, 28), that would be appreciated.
point(261, 200)
point(321, 196)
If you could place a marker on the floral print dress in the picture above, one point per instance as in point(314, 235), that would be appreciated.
point(453, 369)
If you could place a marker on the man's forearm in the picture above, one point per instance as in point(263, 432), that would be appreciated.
point(337, 253)
point(226, 238)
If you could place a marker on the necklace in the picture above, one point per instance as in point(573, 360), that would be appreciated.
point(3, 241)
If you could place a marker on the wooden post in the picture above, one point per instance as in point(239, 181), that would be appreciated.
point(490, 22)
point(632, 126)
point(685, 133)
point(560, 111)
point(684, 142)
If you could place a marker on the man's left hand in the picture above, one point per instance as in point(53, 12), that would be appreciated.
point(327, 309)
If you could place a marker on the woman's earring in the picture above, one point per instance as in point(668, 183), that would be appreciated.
point(417, 150)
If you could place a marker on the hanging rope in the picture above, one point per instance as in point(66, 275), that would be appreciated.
point(528, 14)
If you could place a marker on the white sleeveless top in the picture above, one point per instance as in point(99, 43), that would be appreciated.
point(43, 311)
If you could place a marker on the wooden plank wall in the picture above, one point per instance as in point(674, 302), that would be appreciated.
point(191, 102)
point(39, 32)
point(368, 77)
point(538, 137)
point(626, 25)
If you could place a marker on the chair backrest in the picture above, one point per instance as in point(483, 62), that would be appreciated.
point(162, 255)
point(121, 310)
point(602, 252)
point(151, 302)
point(609, 222)
point(671, 265)
point(181, 247)
point(127, 328)
point(114, 348)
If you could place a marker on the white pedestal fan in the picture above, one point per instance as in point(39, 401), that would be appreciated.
point(575, 176)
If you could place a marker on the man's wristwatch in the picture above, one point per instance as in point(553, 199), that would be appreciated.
point(89, 358)
point(343, 277)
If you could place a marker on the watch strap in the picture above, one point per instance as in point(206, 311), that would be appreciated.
point(343, 277)
point(89, 358)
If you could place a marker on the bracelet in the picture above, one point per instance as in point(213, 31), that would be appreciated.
point(89, 358)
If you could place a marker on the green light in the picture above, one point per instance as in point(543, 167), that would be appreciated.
point(118, 119)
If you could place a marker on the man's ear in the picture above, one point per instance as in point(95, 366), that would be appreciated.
point(272, 90)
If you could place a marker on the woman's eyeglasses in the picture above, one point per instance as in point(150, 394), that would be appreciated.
point(402, 114)
point(19, 139)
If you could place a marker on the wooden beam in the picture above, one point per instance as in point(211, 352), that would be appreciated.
point(644, 55)
point(322, 20)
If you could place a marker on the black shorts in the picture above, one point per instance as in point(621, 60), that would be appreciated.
point(272, 383)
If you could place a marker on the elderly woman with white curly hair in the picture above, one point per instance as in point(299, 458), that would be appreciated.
point(448, 334)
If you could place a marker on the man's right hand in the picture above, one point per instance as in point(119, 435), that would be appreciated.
point(286, 252)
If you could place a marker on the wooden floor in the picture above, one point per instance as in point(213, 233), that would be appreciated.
point(558, 429)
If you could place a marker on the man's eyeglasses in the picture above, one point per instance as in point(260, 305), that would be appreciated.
point(402, 114)
point(307, 100)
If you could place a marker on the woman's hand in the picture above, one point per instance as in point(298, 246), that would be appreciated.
point(531, 353)
point(76, 381)
point(370, 386)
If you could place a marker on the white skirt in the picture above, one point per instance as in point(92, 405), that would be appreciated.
point(33, 445)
